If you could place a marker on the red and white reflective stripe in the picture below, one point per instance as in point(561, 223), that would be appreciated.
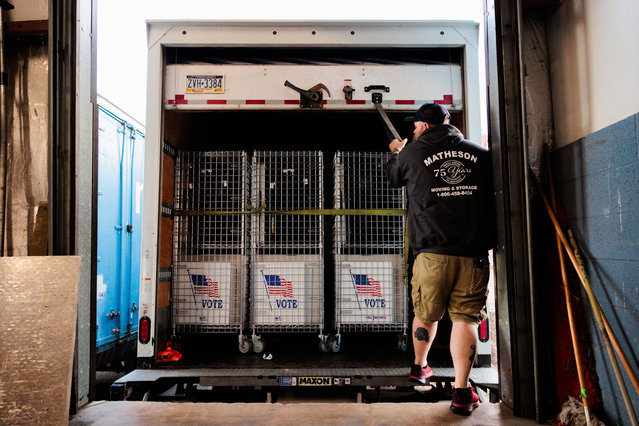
point(180, 100)
point(448, 100)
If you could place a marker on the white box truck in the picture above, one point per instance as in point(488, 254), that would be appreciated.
point(285, 87)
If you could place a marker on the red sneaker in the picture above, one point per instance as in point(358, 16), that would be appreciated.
point(465, 400)
point(419, 374)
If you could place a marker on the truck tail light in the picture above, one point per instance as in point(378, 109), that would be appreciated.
point(483, 331)
point(145, 330)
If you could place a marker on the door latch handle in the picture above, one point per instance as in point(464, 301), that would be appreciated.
point(311, 98)
point(306, 93)
point(113, 314)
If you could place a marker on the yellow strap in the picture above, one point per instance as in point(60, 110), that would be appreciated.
point(318, 212)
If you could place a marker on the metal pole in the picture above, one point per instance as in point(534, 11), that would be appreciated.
point(615, 344)
point(527, 212)
point(3, 129)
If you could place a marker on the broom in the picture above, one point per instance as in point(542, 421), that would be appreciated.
point(596, 308)
point(571, 320)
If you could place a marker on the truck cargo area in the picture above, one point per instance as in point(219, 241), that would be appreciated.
point(211, 367)
point(305, 130)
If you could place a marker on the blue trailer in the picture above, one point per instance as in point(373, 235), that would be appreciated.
point(120, 192)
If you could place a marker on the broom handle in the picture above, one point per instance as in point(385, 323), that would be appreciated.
point(595, 307)
point(622, 356)
point(613, 339)
point(571, 320)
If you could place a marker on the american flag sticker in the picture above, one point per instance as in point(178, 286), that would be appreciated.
point(201, 293)
point(366, 285)
point(279, 291)
point(278, 286)
point(366, 291)
point(205, 286)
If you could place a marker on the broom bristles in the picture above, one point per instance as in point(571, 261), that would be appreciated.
point(573, 413)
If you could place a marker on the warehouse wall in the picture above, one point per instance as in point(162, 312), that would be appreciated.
point(28, 10)
point(24, 182)
point(27, 140)
point(593, 69)
point(594, 65)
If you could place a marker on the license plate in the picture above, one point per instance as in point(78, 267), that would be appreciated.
point(288, 381)
point(204, 84)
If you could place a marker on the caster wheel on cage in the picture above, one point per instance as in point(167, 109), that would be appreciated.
point(402, 343)
point(258, 344)
point(335, 342)
point(245, 345)
point(324, 346)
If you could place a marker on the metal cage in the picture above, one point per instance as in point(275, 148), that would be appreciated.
point(210, 250)
point(287, 243)
point(370, 291)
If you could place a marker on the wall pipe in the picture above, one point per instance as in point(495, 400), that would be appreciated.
point(527, 212)
point(4, 5)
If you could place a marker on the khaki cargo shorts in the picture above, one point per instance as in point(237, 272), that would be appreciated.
point(458, 283)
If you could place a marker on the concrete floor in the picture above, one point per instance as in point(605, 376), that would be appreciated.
point(166, 413)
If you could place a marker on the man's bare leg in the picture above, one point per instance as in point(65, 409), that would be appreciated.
point(423, 336)
point(463, 349)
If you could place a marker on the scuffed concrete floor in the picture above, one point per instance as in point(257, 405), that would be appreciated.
point(165, 413)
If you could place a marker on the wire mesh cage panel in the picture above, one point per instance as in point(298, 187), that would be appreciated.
point(210, 250)
point(370, 294)
point(287, 266)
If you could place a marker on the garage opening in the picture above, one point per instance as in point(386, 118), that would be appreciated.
point(279, 234)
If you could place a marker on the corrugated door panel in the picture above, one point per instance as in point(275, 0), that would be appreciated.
point(137, 192)
point(125, 231)
point(109, 266)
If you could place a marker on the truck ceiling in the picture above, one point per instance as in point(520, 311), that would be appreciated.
point(314, 55)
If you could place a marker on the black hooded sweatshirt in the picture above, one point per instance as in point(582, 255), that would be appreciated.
point(448, 182)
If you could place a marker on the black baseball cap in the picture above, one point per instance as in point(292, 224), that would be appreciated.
point(430, 113)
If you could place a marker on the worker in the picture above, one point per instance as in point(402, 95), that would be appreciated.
point(451, 228)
